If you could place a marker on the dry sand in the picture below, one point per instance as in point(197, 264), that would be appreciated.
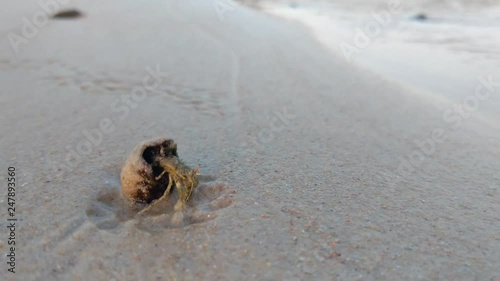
point(300, 154)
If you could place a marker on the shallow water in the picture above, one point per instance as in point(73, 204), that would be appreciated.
point(441, 57)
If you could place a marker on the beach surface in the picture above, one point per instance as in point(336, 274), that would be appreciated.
point(312, 167)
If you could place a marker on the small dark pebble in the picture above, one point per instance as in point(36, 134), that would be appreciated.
point(67, 14)
point(420, 17)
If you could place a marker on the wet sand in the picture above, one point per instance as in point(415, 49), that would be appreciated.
point(300, 153)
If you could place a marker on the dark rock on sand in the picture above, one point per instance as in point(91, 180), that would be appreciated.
point(67, 14)
point(420, 17)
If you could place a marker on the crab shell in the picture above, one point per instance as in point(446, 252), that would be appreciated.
point(138, 176)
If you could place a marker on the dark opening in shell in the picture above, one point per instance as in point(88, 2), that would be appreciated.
point(139, 176)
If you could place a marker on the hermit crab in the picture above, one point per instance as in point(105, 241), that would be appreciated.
point(152, 169)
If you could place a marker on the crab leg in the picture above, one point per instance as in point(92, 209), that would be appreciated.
point(181, 176)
